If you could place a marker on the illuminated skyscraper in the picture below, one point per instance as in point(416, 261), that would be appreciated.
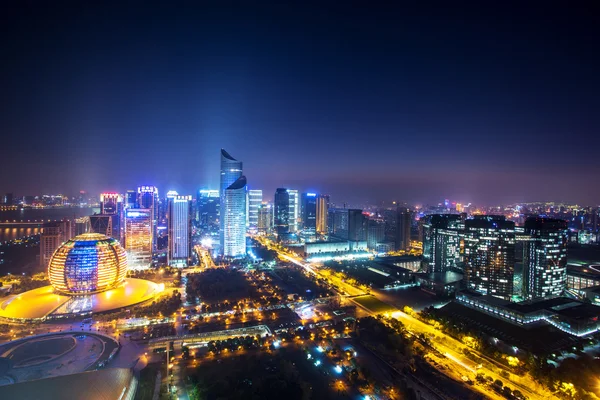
point(265, 219)
point(148, 198)
point(281, 212)
point(403, 225)
point(441, 242)
point(254, 201)
point(294, 210)
point(130, 199)
point(309, 213)
point(139, 237)
point(180, 230)
point(489, 255)
point(545, 258)
point(234, 218)
point(322, 213)
point(231, 171)
point(110, 203)
point(375, 234)
point(207, 203)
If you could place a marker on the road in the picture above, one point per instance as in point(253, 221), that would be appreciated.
point(445, 344)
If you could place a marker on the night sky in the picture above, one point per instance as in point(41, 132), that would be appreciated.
point(387, 102)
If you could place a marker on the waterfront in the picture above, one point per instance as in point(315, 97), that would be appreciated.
point(11, 230)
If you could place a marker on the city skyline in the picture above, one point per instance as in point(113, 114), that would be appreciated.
point(388, 103)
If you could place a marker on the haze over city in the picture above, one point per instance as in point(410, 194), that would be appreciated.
point(490, 104)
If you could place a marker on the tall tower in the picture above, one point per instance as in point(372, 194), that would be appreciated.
point(294, 212)
point(545, 258)
point(281, 212)
point(138, 237)
point(441, 242)
point(234, 218)
point(254, 201)
point(322, 212)
point(110, 203)
point(231, 171)
point(309, 213)
point(403, 223)
point(489, 255)
point(180, 230)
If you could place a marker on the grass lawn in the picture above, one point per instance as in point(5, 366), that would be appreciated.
point(374, 304)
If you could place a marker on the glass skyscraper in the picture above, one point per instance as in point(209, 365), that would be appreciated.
point(281, 212)
point(322, 213)
point(254, 201)
point(231, 171)
point(234, 218)
point(138, 237)
point(180, 230)
point(309, 213)
point(294, 210)
point(441, 242)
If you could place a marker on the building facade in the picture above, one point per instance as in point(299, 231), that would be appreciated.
point(294, 210)
point(489, 255)
point(545, 258)
point(255, 198)
point(308, 212)
point(265, 219)
point(322, 214)
point(139, 237)
point(179, 217)
point(234, 219)
point(231, 171)
point(403, 226)
point(281, 212)
point(441, 242)
point(53, 235)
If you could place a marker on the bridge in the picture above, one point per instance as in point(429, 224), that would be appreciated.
point(205, 337)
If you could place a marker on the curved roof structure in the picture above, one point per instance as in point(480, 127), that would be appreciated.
point(226, 155)
point(238, 184)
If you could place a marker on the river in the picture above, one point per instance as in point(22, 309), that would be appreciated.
point(10, 230)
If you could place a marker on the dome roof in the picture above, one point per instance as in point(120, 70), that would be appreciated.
point(88, 263)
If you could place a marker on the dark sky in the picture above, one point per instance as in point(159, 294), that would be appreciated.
point(384, 102)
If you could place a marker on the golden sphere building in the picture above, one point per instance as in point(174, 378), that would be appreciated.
point(89, 263)
point(87, 275)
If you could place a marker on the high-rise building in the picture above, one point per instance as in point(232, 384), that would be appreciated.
point(294, 210)
point(441, 242)
point(179, 230)
point(308, 211)
point(375, 234)
point(130, 199)
point(234, 218)
point(322, 213)
point(489, 255)
point(139, 237)
point(148, 198)
point(254, 201)
point(403, 226)
point(545, 258)
point(53, 235)
point(265, 219)
point(231, 171)
point(348, 224)
point(208, 204)
point(281, 212)
point(357, 225)
point(110, 203)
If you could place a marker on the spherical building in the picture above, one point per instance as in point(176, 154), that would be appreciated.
point(88, 263)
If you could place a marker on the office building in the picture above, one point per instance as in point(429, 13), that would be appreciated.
point(545, 258)
point(489, 255)
point(234, 218)
point(265, 219)
point(53, 235)
point(375, 234)
point(179, 222)
point(231, 171)
point(130, 199)
point(148, 198)
point(294, 210)
point(207, 205)
point(403, 226)
point(322, 214)
point(357, 225)
point(308, 212)
point(255, 198)
point(281, 212)
point(139, 237)
point(348, 224)
point(110, 203)
point(8, 199)
point(441, 242)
